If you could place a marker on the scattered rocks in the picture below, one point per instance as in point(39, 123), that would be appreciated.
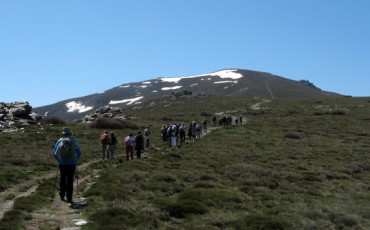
point(16, 114)
point(104, 112)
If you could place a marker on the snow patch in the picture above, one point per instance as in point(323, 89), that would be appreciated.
point(171, 88)
point(146, 82)
point(77, 107)
point(143, 86)
point(232, 74)
point(223, 82)
point(125, 86)
point(130, 101)
point(155, 91)
point(195, 84)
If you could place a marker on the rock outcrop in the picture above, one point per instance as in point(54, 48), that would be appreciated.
point(15, 115)
point(104, 112)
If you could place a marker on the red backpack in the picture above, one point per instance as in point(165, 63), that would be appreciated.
point(104, 139)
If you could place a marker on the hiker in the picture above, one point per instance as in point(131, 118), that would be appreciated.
point(182, 133)
point(241, 120)
point(169, 134)
point(190, 131)
point(104, 142)
point(139, 144)
point(198, 131)
point(67, 151)
point(173, 135)
point(214, 121)
point(204, 124)
point(222, 121)
point(193, 129)
point(129, 143)
point(236, 121)
point(147, 136)
point(229, 121)
point(164, 134)
point(112, 146)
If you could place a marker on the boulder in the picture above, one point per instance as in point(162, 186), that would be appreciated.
point(104, 112)
point(16, 114)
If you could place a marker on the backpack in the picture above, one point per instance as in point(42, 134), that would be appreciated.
point(128, 141)
point(66, 149)
point(104, 139)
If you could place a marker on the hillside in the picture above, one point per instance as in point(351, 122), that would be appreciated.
point(229, 82)
point(293, 164)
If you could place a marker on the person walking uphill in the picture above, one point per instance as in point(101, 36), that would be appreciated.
point(104, 142)
point(67, 152)
point(129, 142)
point(139, 144)
point(147, 136)
point(112, 146)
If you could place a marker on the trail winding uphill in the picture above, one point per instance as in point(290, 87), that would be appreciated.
point(59, 214)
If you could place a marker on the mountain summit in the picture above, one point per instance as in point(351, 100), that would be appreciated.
point(231, 82)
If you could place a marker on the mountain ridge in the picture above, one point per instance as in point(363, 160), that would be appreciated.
point(230, 82)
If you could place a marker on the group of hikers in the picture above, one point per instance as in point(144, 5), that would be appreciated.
point(131, 142)
point(67, 150)
point(172, 135)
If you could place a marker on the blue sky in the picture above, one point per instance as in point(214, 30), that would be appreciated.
point(56, 50)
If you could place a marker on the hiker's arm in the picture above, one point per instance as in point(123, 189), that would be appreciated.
point(56, 150)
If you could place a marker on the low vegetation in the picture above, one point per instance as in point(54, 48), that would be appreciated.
point(112, 123)
point(287, 167)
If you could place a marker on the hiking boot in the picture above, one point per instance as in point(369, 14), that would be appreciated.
point(61, 196)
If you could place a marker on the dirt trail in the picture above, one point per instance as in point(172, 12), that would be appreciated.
point(60, 214)
point(257, 106)
point(23, 189)
point(8, 197)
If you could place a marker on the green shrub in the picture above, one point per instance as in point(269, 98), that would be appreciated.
point(259, 221)
point(183, 208)
point(13, 220)
point(52, 120)
point(110, 123)
point(119, 218)
point(168, 178)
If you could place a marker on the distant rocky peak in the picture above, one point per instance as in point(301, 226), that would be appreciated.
point(308, 83)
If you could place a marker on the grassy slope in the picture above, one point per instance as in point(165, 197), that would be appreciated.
point(251, 177)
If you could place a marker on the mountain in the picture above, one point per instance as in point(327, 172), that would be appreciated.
point(230, 82)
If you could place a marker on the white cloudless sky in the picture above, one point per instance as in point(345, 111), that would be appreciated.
point(56, 50)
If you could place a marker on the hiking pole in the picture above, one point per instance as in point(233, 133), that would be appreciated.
point(55, 183)
point(78, 195)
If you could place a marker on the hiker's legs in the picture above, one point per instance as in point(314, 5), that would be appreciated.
point(111, 154)
point(131, 150)
point(63, 181)
point(146, 143)
point(66, 181)
point(104, 150)
point(173, 141)
point(70, 173)
point(138, 152)
point(127, 153)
